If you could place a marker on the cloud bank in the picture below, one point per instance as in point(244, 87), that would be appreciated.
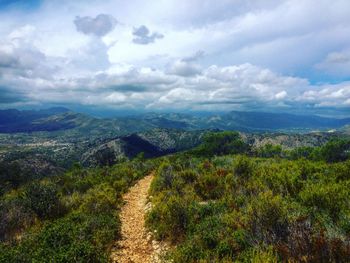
point(261, 55)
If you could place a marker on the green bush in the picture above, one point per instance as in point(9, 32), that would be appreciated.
point(301, 152)
point(164, 178)
point(331, 199)
point(336, 150)
point(15, 217)
point(221, 143)
point(69, 218)
point(171, 216)
point(268, 218)
point(269, 151)
point(76, 238)
point(209, 186)
point(100, 199)
point(243, 167)
point(245, 209)
point(43, 199)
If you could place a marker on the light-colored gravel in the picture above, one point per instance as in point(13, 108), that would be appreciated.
point(136, 244)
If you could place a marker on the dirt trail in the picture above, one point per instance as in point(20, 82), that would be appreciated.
point(135, 245)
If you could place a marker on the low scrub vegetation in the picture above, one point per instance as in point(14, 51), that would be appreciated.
point(223, 201)
point(68, 218)
point(261, 205)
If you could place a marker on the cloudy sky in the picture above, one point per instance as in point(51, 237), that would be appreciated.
point(176, 55)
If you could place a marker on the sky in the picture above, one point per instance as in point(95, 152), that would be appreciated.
point(176, 55)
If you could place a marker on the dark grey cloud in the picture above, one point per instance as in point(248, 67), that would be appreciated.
point(98, 26)
point(8, 96)
point(143, 36)
point(129, 88)
point(185, 69)
point(25, 61)
point(21, 58)
point(7, 60)
point(187, 66)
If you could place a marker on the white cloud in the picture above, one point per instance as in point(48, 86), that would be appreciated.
point(281, 95)
point(336, 95)
point(216, 55)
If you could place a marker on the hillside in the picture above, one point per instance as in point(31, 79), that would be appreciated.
point(221, 201)
point(68, 137)
point(250, 121)
point(98, 147)
point(280, 121)
point(153, 143)
point(63, 121)
point(30, 120)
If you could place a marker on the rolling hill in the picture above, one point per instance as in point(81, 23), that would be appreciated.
point(153, 143)
point(61, 119)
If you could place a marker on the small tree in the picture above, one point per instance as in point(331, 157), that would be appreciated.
point(43, 199)
point(222, 143)
point(336, 150)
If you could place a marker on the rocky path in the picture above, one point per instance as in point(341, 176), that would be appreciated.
point(135, 245)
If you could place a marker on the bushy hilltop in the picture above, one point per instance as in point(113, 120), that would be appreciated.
point(221, 201)
point(153, 143)
point(289, 140)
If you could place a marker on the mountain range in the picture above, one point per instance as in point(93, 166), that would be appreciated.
point(49, 140)
point(61, 119)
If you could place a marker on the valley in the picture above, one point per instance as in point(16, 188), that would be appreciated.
point(64, 137)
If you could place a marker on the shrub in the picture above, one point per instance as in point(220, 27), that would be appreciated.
point(269, 151)
point(58, 241)
point(243, 167)
point(268, 218)
point(15, 217)
point(170, 217)
point(301, 152)
point(209, 186)
point(331, 199)
point(221, 143)
point(336, 150)
point(164, 178)
point(43, 199)
point(12, 175)
point(100, 199)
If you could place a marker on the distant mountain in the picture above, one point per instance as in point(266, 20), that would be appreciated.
point(67, 123)
point(249, 121)
point(278, 121)
point(346, 129)
point(29, 120)
point(73, 124)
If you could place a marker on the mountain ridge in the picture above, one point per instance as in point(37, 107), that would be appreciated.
point(60, 119)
